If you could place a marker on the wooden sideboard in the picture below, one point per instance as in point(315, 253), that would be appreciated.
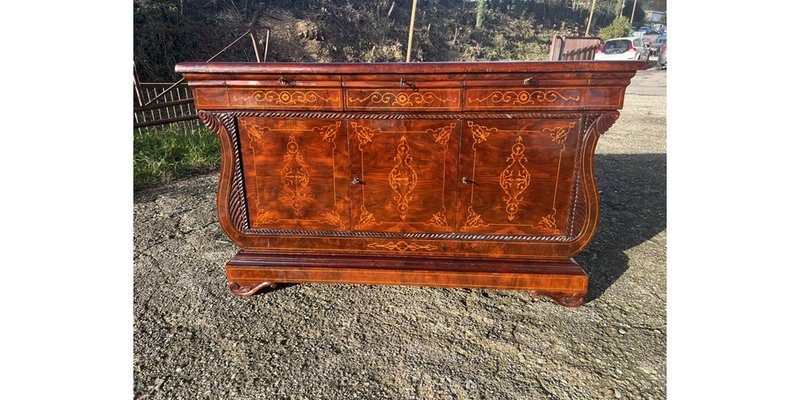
point(475, 175)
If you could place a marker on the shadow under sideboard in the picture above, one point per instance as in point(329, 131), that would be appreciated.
point(633, 209)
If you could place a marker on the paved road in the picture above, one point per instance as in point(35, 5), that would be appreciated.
point(194, 340)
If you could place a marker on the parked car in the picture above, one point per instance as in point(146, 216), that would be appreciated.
point(662, 55)
point(627, 48)
point(655, 48)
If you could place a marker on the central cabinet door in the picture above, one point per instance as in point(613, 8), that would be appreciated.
point(403, 174)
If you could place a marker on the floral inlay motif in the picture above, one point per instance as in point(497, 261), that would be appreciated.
point(332, 218)
point(515, 178)
point(294, 176)
point(366, 219)
point(254, 131)
point(438, 220)
point(524, 97)
point(401, 246)
point(265, 217)
point(480, 133)
point(364, 134)
point(403, 178)
point(285, 97)
point(559, 134)
point(549, 222)
point(400, 98)
point(442, 135)
point(473, 221)
point(328, 132)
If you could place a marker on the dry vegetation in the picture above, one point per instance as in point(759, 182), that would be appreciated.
point(171, 31)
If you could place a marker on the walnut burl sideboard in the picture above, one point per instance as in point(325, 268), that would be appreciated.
point(474, 175)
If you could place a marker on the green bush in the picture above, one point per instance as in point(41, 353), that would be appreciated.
point(619, 28)
point(163, 154)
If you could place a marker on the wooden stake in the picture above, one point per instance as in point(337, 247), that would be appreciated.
point(411, 30)
point(137, 88)
point(591, 13)
point(255, 44)
point(266, 46)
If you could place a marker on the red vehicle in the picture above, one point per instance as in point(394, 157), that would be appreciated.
point(662, 54)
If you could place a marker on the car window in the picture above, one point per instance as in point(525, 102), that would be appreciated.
point(616, 45)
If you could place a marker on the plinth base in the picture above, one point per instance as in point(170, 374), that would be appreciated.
point(564, 282)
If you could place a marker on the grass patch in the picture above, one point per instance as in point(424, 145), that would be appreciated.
point(161, 155)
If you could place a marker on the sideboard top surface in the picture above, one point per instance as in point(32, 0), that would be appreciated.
point(416, 67)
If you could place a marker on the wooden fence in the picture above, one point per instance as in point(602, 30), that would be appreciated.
point(573, 48)
point(176, 107)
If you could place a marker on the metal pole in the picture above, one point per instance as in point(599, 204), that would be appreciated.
point(633, 10)
point(411, 30)
point(591, 13)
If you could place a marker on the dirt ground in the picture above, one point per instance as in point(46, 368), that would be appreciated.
point(195, 340)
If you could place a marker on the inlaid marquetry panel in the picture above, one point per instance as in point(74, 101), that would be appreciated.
point(402, 99)
point(518, 175)
point(524, 98)
point(406, 172)
point(284, 98)
point(295, 173)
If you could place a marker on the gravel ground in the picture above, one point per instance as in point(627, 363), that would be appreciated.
point(195, 340)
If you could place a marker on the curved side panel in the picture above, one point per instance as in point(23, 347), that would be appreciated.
point(232, 215)
point(587, 203)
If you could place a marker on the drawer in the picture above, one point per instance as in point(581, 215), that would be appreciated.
point(529, 80)
point(271, 92)
point(403, 92)
point(422, 99)
point(524, 98)
point(283, 98)
point(525, 91)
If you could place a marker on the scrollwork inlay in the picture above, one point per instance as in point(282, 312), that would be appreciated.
point(284, 97)
point(295, 177)
point(515, 178)
point(402, 246)
point(403, 177)
point(524, 97)
point(400, 98)
point(473, 221)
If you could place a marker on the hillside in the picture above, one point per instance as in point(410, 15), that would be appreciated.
point(171, 31)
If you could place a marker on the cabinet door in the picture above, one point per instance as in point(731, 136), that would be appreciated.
point(517, 175)
point(404, 174)
point(295, 173)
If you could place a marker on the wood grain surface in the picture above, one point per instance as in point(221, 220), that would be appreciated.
point(348, 166)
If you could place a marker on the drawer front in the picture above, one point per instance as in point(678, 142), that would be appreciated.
point(524, 98)
point(283, 98)
point(421, 98)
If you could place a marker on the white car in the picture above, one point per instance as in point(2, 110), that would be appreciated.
point(622, 49)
